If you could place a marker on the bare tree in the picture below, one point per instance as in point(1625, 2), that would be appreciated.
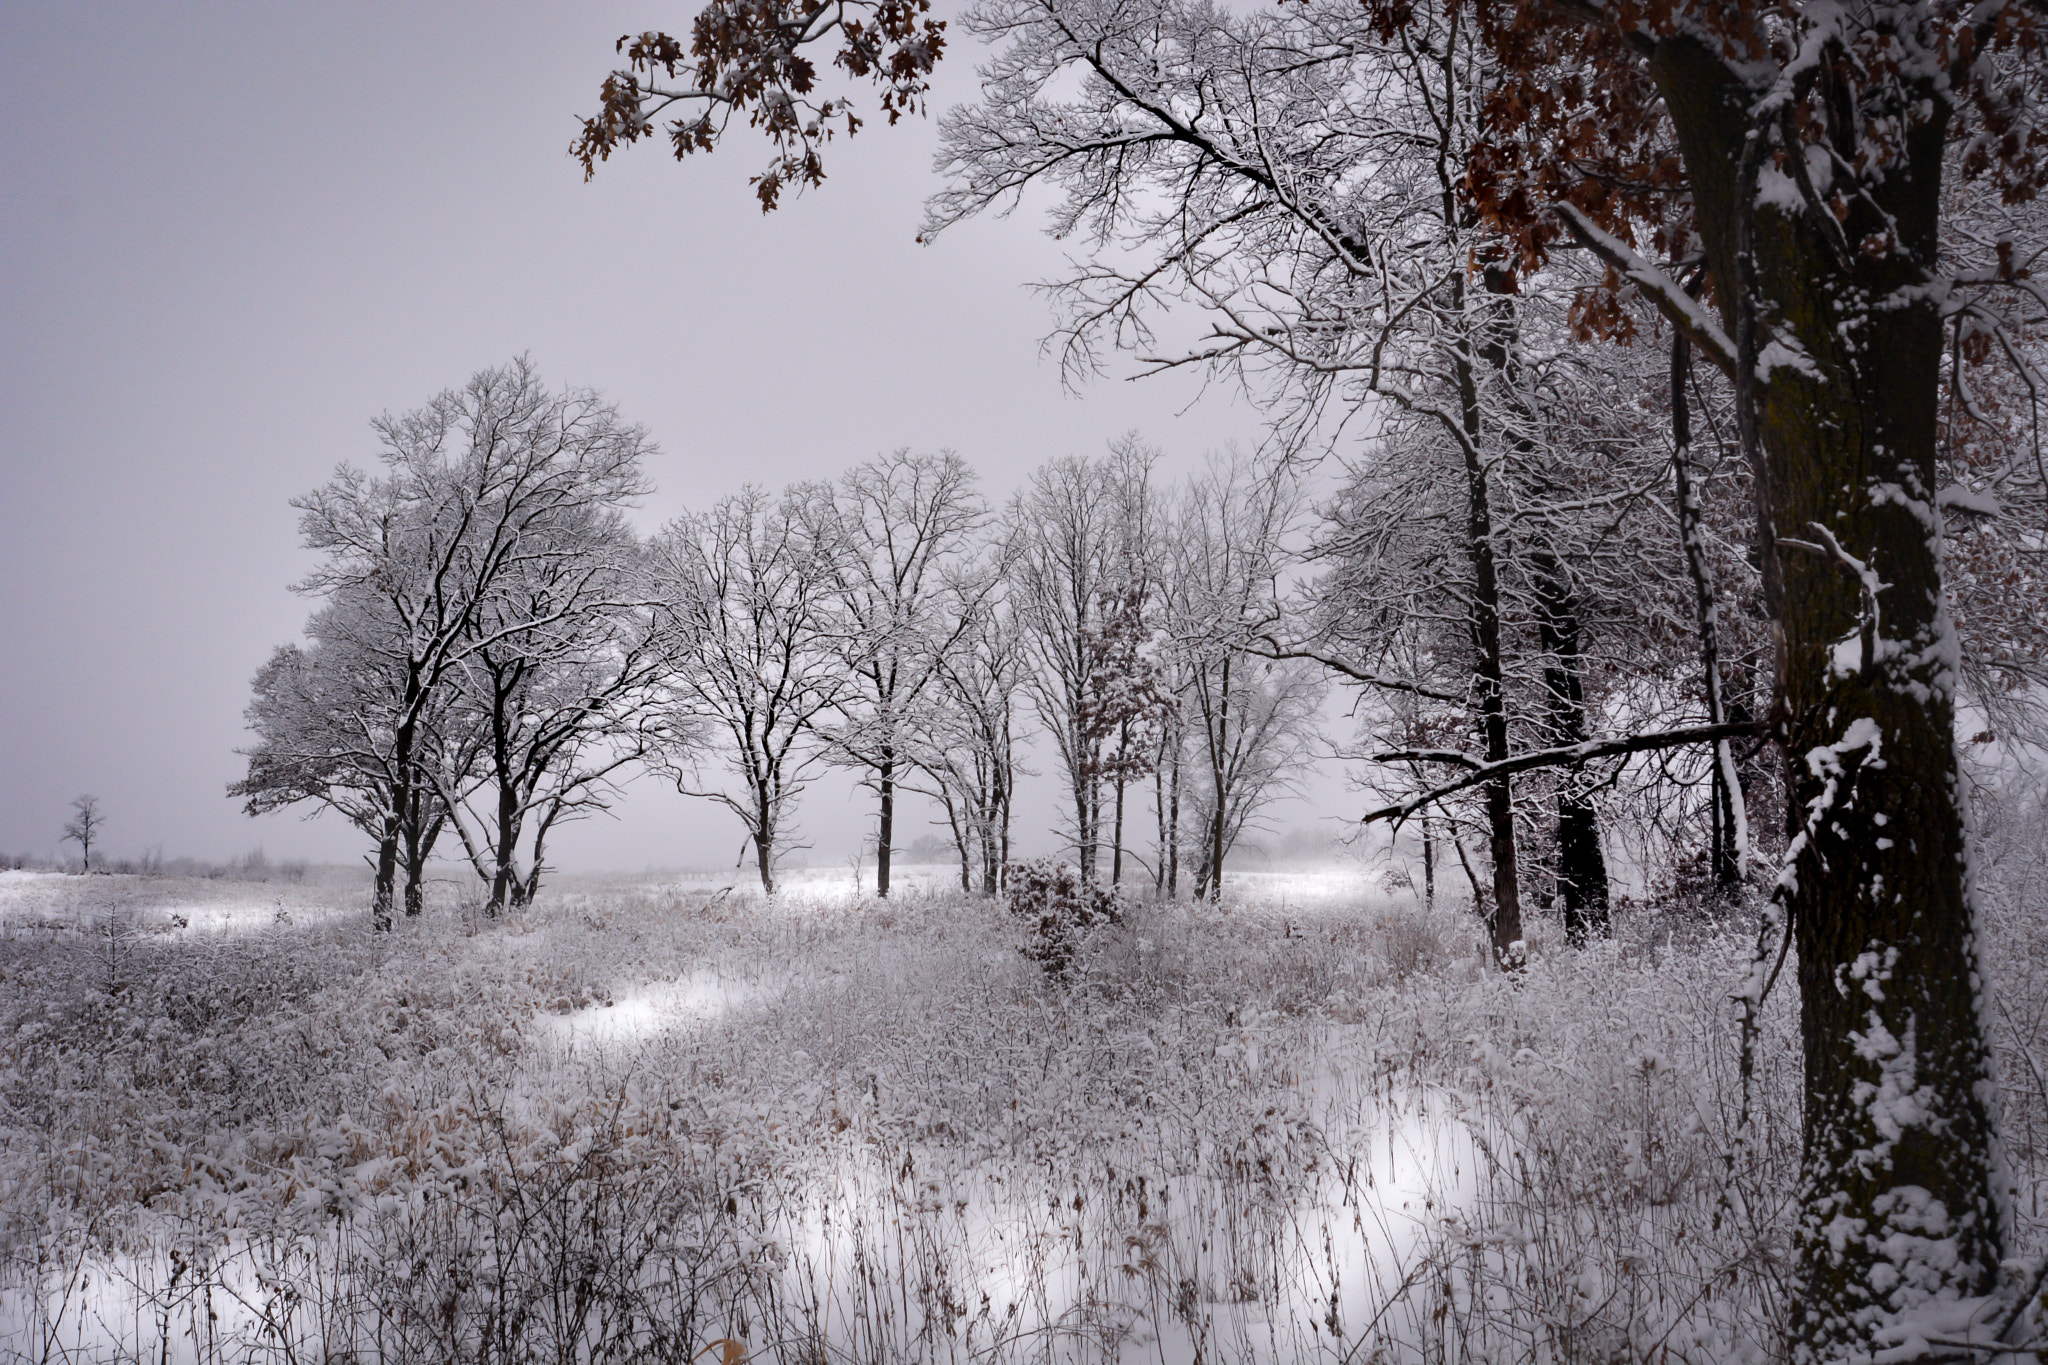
point(1072, 534)
point(966, 740)
point(556, 691)
point(741, 598)
point(900, 530)
point(1249, 716)
point(1728, 857)
point(1298, 176)
point(1251, 199)
point(326, 717)
point(474, 484)
point(83, 827)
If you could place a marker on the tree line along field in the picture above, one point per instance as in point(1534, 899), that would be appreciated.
point(633, 1120)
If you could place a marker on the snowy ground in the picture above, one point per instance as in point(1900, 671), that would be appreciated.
point(648, 1115)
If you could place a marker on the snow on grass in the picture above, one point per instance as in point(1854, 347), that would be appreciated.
point(61, 902)
point(649, 1113)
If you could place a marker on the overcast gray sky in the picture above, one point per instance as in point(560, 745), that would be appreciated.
point(231, 235)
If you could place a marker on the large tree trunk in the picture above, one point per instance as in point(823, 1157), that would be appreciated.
point(764, 835)
point(1898, 1170)
point(383, 893)
point(504, 871)
point(421, 831)
point(764, 859)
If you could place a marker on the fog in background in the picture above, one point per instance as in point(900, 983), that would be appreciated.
point(232, 235)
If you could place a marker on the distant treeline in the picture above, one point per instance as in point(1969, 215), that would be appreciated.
point(253, 866)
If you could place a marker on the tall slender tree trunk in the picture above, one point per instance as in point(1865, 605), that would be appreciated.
point(1471, 877)
point(885, 834)
point(1218, 727)
point(1504, 918)
point(998, 850)
point(1212, 875)
point(1900, 1197)
point(1116, 857)
point(991, 856)
point(1173, 828)
point(1159, 818)
point(1087, 810)
point(963, 821)
point(1215, 869)
point(525, 893)
point(1729, 852)
point(1428, 863)
point(505, 886)
point(1581, 866)
point(985, 832)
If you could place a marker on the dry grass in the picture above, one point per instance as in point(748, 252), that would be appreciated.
point(640, 1120)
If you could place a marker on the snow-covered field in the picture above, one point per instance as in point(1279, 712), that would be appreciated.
point(642, 1117)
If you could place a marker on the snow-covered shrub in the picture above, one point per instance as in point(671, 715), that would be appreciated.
point(1059, 909)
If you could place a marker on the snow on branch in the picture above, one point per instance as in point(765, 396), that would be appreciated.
point(1684, 311)
point(1478, 772)
point(1274, 650)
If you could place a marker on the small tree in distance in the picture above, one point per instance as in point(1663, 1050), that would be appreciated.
point(84, 827)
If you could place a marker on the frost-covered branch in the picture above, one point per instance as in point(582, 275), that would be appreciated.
point(1479, 772)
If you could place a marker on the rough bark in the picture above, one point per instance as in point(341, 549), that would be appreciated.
point(1898, 1166)
point(422, 831)
point(764, 859)
point(383, 892)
